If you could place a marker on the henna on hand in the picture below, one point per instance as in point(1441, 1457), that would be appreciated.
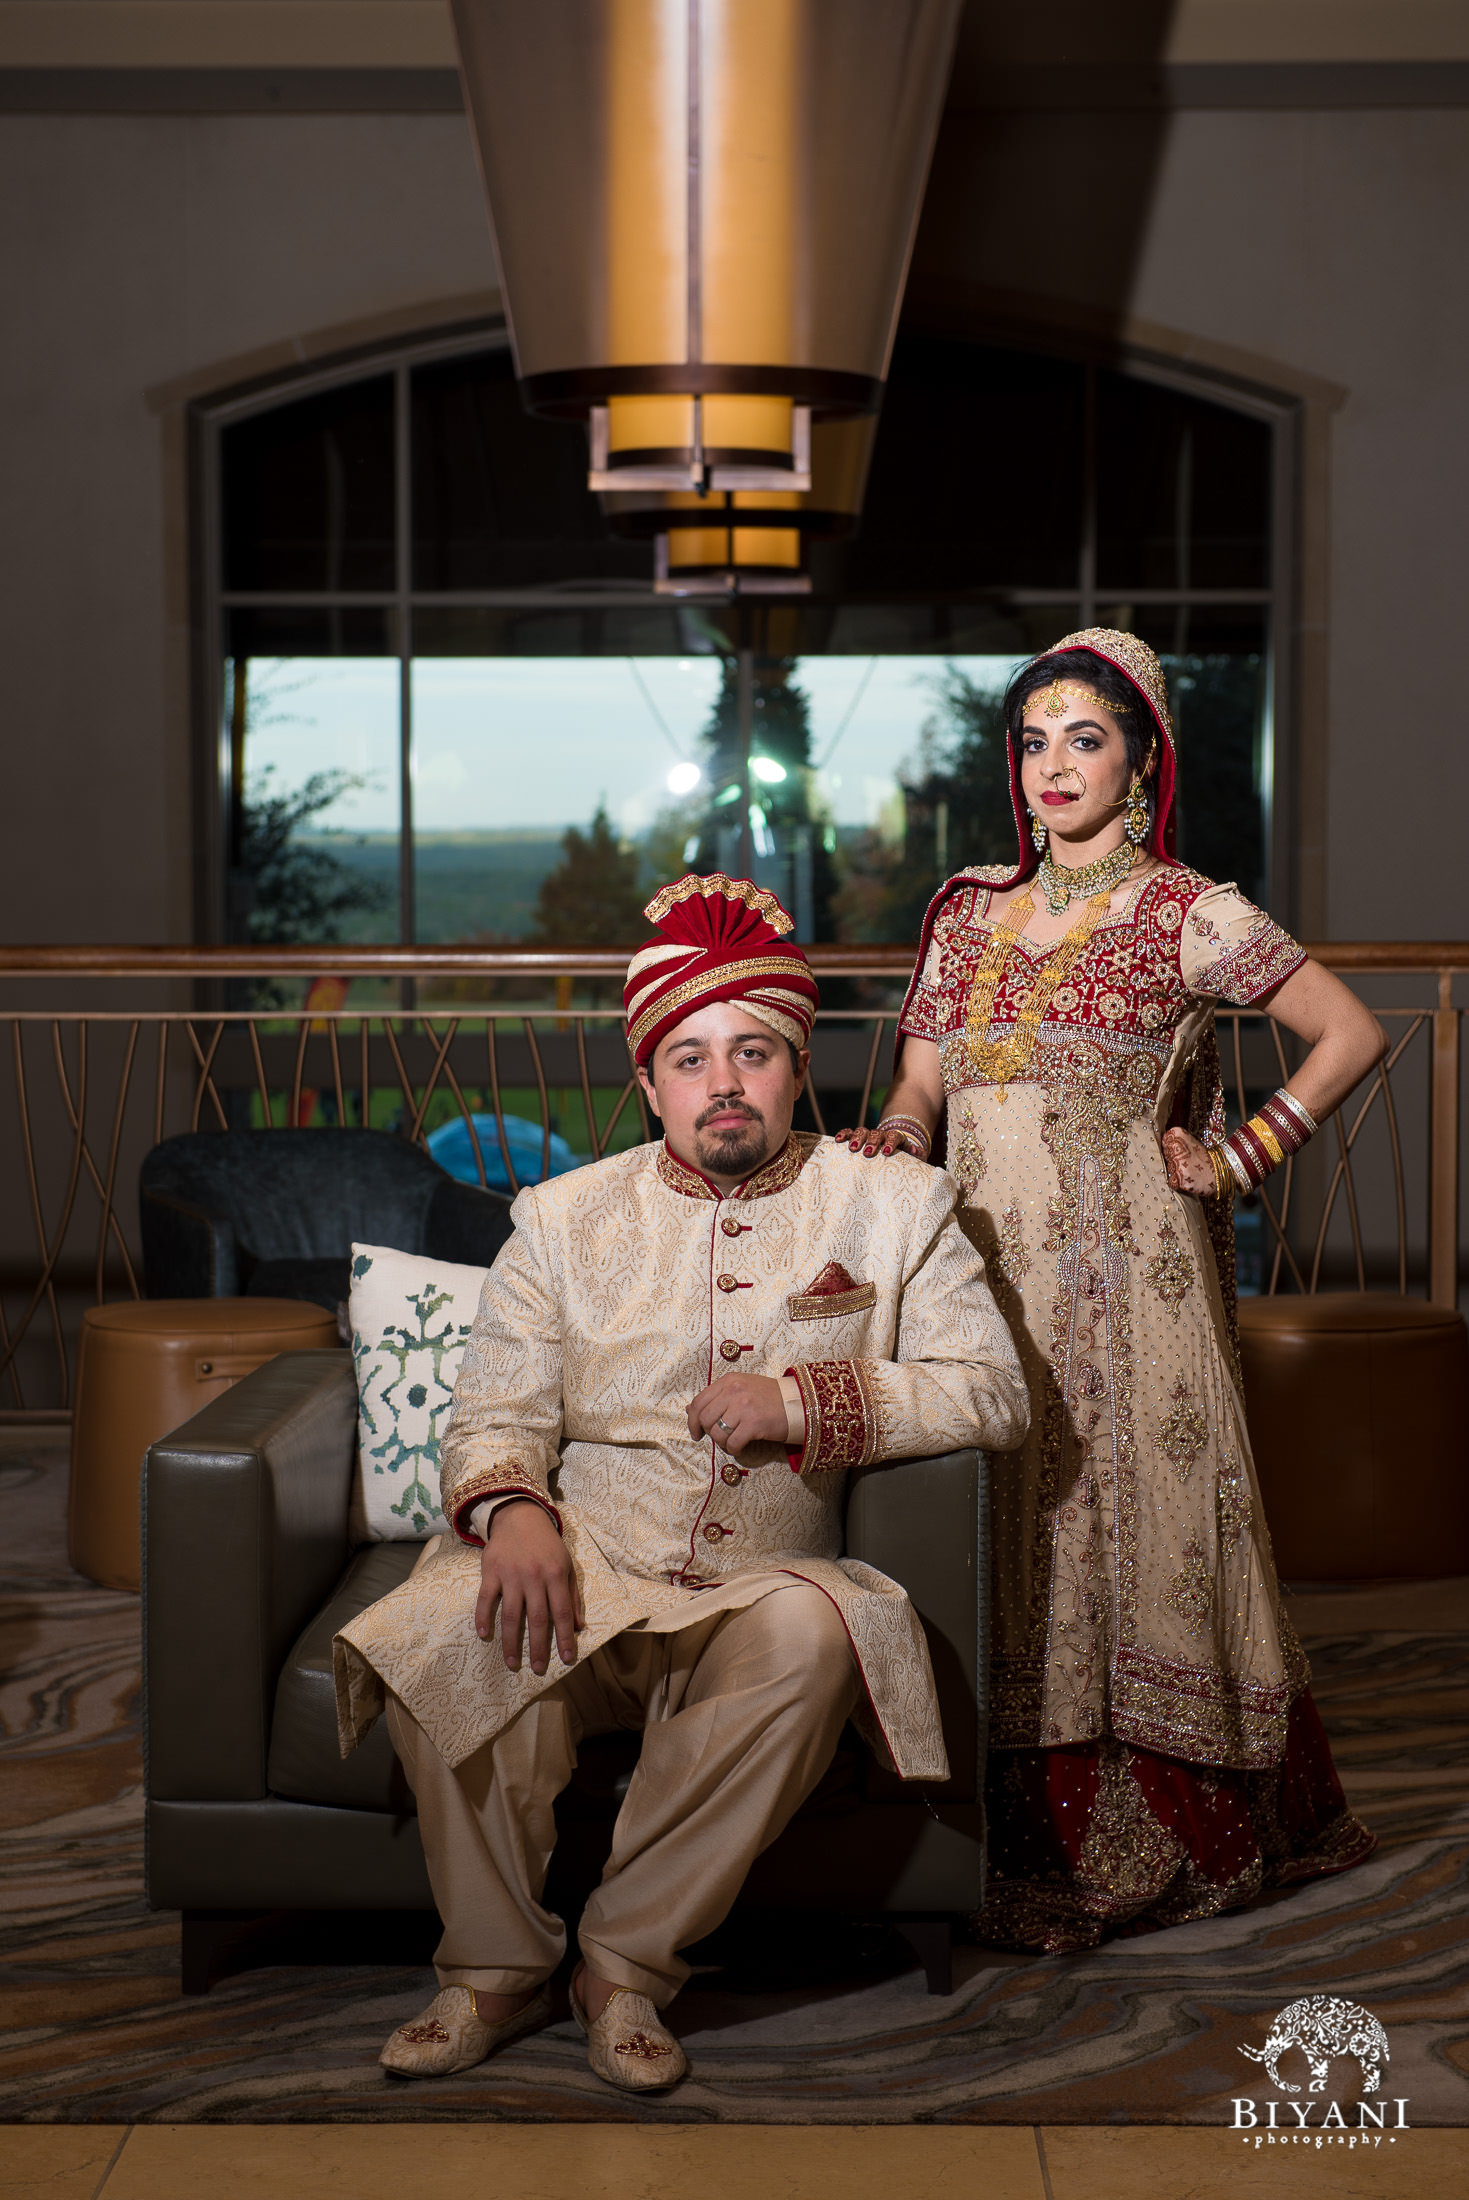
point(1188, 1164)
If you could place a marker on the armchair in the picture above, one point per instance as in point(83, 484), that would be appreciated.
point(273, 1213)
point(248, 1572)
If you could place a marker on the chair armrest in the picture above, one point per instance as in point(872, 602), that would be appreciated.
point(466, 1222)
point(187, 1253)
point(245, 1512)
point(925, 1524)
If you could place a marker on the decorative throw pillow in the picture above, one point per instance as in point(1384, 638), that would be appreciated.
point(411, 1318)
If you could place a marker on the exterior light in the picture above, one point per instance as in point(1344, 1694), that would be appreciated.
point(702, 213)
point(766, 768)
point(684, 778)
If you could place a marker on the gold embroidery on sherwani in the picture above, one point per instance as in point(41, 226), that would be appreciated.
point(1184, 1432)
point(780, 1172)
point(679, 1177)
point(1170, 1271)
point(843, 1419)
point(775, 1175)
point(508, 1478)
point(595, 1329)
point(804, 1308)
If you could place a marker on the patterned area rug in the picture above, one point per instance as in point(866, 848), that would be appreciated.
point(809, 2030)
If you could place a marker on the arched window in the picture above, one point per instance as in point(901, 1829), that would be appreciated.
point(446, 702)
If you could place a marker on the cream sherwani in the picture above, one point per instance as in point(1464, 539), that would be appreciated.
point(626, 1288)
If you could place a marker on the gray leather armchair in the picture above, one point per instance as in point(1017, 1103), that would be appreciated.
point(247, 1574)
point(273, 1214)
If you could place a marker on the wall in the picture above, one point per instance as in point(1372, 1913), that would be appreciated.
point(1295, 248)
point(140, 252)
point(1281, 190)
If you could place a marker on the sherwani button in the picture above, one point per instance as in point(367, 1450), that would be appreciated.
point(730, 1475)
point(727, 1283)
point(729, 1350)
point(730, 1227)
point(715, 1530)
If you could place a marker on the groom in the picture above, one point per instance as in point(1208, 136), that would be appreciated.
point(676, 1357)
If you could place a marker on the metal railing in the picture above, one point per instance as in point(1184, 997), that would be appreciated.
point(92, 1086)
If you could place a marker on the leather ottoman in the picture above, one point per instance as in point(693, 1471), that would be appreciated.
point(143, 1367)
point(1358, 1407)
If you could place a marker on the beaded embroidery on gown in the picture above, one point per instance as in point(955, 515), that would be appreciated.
point(1155, 1753)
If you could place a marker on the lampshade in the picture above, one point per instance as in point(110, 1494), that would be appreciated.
point(751, 541)
point(702, 213)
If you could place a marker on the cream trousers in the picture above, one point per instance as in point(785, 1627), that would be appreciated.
point(740, 1714)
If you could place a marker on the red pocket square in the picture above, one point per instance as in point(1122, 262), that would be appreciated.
point(833, 1294)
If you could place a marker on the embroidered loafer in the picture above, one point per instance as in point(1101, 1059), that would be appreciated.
point(628, 2044)
point(450, 2035)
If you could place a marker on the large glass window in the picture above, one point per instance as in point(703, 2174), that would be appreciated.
point(450, 705)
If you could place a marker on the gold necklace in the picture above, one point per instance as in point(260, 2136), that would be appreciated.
point(1061, 886)
point(1000, 1061)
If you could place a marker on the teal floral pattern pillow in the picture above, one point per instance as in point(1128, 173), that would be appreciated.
point(411, 1319)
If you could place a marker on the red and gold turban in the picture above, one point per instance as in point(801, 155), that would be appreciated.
point(721, 939)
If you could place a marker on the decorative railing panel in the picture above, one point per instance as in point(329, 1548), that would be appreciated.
point(118, 1053)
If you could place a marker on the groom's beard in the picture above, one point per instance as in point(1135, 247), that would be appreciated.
point(734, 1152)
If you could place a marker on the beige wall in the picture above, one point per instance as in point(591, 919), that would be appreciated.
point(1300, 249)
point(139, 251)
point(1319, 251)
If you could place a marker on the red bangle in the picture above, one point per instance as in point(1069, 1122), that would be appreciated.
point(1278, 1129)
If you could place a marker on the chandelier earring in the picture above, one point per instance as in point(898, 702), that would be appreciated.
point(1135, 823)
point(1038, 833)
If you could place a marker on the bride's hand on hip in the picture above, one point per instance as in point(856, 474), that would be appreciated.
point(1188, 1164)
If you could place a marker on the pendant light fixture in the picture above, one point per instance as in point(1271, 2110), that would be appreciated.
point(751, 541)
point(703, 212)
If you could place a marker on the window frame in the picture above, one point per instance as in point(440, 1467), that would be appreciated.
point(210, 416)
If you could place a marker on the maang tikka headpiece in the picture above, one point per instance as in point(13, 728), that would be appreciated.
point(1054, 701)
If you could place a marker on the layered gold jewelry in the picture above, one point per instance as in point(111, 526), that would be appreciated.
point(1278, 1129)
point(1054, 702)
point(1223, 1181)
point(1000, 1061)
point(1061, 886)
point(908, 1131)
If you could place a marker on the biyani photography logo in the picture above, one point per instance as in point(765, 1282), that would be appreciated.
point(1322, 2026)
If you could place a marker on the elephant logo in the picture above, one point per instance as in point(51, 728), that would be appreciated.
point(1323, 2025)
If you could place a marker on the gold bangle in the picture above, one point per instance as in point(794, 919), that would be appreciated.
point(1266, 1135)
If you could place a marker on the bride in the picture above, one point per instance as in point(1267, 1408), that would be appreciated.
point(1155, 1753)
